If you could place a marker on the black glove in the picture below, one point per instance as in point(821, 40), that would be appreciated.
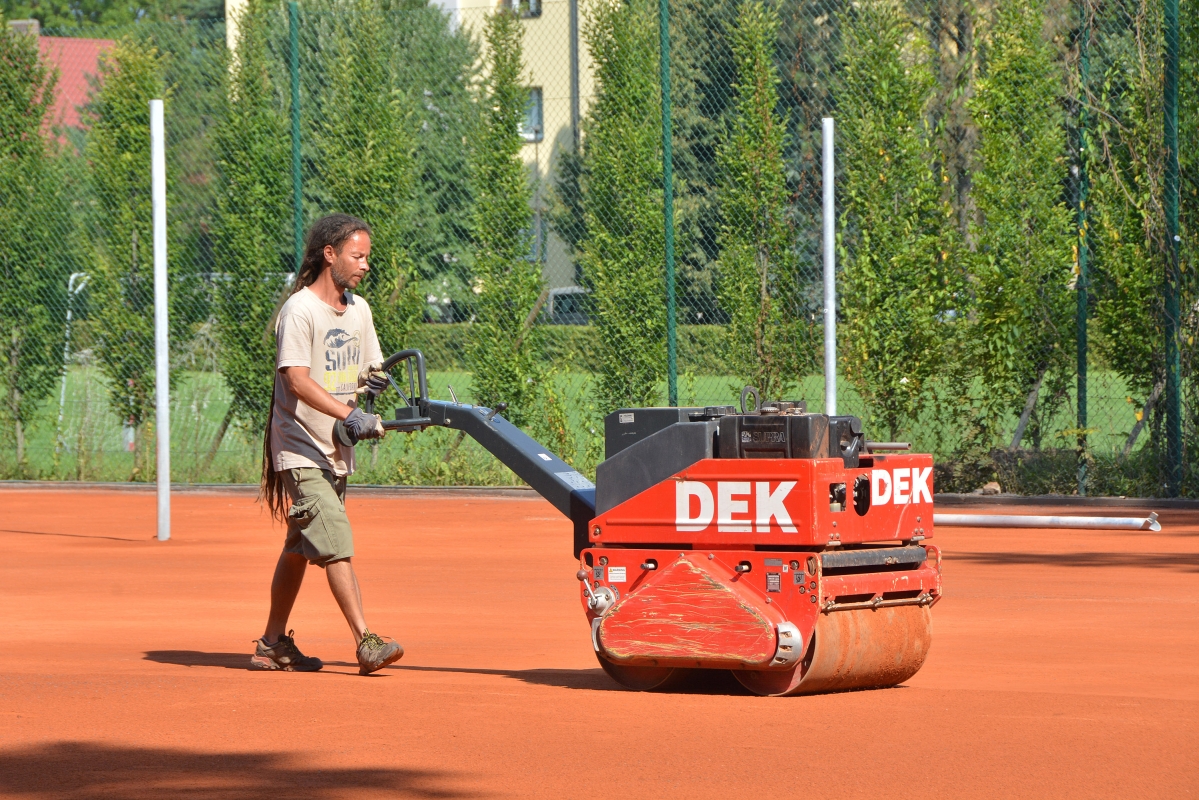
point(376, 382)
point(360, 425)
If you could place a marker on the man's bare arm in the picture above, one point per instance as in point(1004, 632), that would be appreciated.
point(299, 380)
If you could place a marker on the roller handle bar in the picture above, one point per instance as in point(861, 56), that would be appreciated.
point(555, 480)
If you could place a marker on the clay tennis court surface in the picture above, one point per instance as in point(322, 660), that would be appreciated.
point(1064, 664)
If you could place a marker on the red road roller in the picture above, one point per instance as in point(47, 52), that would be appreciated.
point(777, 544)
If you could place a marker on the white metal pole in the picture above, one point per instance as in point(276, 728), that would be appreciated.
point(830, 270)
point(73, 289)
point(162, 375)
point(1149, 523)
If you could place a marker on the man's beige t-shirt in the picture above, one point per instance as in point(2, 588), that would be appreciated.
point(335, 346)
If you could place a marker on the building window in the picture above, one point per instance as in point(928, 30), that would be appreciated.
point(532, 128)
point(525, 8)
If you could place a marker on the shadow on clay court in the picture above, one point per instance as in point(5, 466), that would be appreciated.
point(1181, 562)
point(699, 681)
point(74, 535)
point(91, 769)
point(196, 658)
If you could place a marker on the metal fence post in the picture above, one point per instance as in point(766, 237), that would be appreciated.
point(162, 364)
point(1081, 286)
point(672, 366)
point(1170, 201)
point(828, 175)
point(297, 177)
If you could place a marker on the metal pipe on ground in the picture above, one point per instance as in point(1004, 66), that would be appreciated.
point(1149, 523)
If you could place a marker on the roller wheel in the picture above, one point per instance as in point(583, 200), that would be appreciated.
point(860, 649)
point(643, 679)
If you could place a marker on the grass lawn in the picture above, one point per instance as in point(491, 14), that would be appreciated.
point(92, 444)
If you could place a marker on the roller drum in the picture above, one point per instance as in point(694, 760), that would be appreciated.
point(858, 649)
point(643, 679)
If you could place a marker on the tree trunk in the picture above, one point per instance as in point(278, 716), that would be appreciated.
point(1029, 405)
point(14, 400)
point(218, 437)
point(1154, 396)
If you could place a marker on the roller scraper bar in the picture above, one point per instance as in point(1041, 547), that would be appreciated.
point(1149, 523)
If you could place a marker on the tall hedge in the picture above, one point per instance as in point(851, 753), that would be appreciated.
point(118, 151)
point(1021, 327)
point(37, 235)
point(758, 269)
point(621, 253)
point(506, 279)
point(253, 212)
point(898, 283)
point(365, 136)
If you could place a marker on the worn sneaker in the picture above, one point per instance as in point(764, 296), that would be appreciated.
point(376, 652)
point(283, 655)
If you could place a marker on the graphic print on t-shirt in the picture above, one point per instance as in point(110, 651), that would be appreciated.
point(343, 353)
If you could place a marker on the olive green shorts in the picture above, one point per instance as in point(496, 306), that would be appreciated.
point(317, 525)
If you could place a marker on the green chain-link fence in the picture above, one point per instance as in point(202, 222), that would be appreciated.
point(1003, 186)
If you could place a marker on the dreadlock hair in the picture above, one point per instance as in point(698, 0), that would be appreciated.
point(329, 231)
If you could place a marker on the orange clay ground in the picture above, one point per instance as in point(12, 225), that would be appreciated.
point(1064, 664)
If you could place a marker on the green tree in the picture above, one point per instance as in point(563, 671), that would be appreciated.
point(36, 235)
point(1127, 224)
point(1021, 325)
point(365, 138)
point(621, 253)
point(897, 281)
point(1188, 152)
point(118, 150)
point(504, 345)
point(253, 209)
point(757, 269)
point(89, 13)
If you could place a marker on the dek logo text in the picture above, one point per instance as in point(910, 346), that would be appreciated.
point(731, 506)
point(900, 486)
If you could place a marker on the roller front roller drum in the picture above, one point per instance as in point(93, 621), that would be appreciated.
point(853, 650)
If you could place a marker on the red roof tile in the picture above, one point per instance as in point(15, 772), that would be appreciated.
point(77, 61)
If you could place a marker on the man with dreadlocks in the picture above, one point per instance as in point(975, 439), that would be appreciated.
point(327, 353)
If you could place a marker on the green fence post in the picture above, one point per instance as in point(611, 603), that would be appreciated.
point(672, 366)
point(1170, 201)
point(297, 177)
point(1081, 286)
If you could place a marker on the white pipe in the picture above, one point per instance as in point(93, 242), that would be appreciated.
point(162, 364)
point(1149, 523)
point(72, 290)
point(830, 269)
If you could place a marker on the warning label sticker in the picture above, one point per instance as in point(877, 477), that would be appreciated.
point(616, 575)
point(626, 418)
point(575, 480)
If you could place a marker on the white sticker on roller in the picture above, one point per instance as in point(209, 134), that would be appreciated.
point(574, 480)
point(626, 418)
point(544, 457)
point(616, 575)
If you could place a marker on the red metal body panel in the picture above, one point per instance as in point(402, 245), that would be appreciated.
point(742, 503)
point(692, 612)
